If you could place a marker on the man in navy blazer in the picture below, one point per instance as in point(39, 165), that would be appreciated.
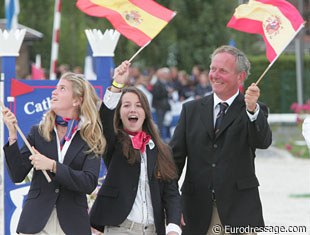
point(220, 186)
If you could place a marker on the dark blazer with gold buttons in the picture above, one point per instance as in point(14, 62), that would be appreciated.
point(118, 192)
point(224, 163)
point(77, 176)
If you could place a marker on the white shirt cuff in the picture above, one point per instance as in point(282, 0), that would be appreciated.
point(173, 228)
point(111, 99)
point(253, 117)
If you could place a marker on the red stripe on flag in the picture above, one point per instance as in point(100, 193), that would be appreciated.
point(288, 10)
point(253, 27)
point(116, 20)
point(154, 9)
point(246, 25)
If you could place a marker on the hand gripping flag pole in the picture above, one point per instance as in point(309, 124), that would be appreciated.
point(27, 144)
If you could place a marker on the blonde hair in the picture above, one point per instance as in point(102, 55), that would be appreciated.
point(91, 127)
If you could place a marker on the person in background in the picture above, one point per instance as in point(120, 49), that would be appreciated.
point(143, 84)
point(140, 192)
point(203, 87)
point(186, 86)
point(196, 71)
point(218, 135)
point(160, 100)
point(68, 144)
point(62, 69)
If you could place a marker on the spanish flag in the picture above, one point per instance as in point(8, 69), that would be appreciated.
point(138, 20)
point(276, 20)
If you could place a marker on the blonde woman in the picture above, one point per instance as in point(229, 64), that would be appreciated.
point(68, 144)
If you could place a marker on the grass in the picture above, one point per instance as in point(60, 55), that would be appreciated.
point(300, 195)
point(289, 137)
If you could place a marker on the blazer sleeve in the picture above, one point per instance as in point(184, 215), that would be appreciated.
point(260, 135)
point(17, 160)
point(107, 116)
point(172, 202)
point(84, 180)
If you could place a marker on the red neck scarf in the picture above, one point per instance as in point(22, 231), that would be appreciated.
point(139, 140)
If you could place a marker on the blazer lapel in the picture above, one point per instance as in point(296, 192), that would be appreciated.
point(232, 113)
point(52, 146)
point(151, 161)
point(206, 115)
point(76, 145)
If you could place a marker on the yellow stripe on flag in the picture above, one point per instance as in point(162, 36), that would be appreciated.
point(277, 28)
point(143, 21)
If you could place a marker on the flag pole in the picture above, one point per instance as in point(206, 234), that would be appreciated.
point(141, 48)
point(266, 70)
point(269, 66)
point(27, 144)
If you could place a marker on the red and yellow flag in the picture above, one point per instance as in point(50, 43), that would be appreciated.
point(276, 20)
point(138, 20)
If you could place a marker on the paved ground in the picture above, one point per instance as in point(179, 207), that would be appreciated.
point(284, 183)
point(285, 188)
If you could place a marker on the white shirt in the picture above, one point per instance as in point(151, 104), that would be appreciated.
point(142, 210)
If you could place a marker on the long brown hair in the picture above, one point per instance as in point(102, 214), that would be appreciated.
point(166, 169)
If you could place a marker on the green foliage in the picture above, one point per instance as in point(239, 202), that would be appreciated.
point(288, 136)
point(197, 29)
point(278, 87)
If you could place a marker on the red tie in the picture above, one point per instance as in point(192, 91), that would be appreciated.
point(139, 140)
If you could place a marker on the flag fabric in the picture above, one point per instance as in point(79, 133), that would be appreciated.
point(276, 20)
point(138, 20)
point(11, 13)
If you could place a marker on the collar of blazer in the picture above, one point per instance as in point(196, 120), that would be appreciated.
point(77, 144)
point(206, 114)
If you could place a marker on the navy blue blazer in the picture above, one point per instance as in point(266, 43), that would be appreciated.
point(118, 192)
point(76, 177)
point(224, 163)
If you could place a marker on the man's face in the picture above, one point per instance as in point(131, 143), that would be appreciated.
point(224, 78)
